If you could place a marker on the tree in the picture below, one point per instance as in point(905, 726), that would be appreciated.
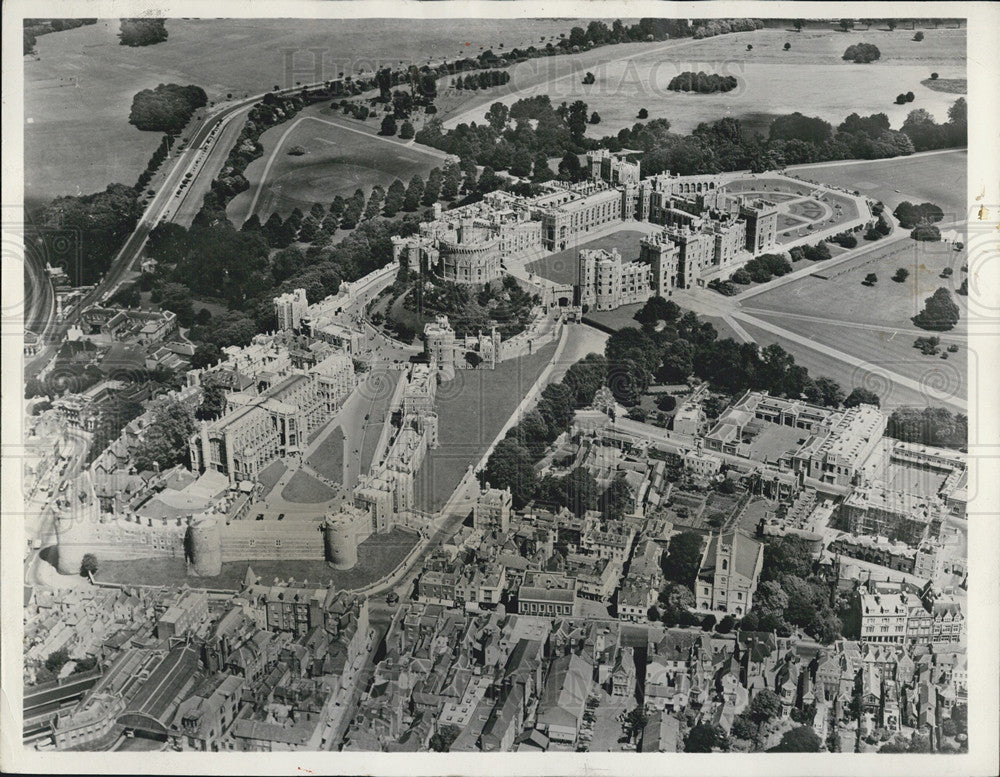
point(413, 193)
point(395, 196)
point(510, 466)
point(569, 166)
point(934, 76)
point(442, 740)
point(205, 355)
point(798, 24)
point(862, 396)
point(88, 565)
point(164, 442)
point(406, 131)
point(846, 24)
point(799, 740)
point(595, 118)
point(764, 707)
point(919, 36)
point(56, 660)
point(388, 125)
point(940, 312)
point(680, 563)
point(634, 723)
point(901, 275)
point(643, 113)
point(705, 738)
point(870, 279)
point(787, 46)
point(497, 116)
point(892, 24)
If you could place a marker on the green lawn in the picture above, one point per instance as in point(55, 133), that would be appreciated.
point(840, 294)
point(271, 474)
point(822, 365)
point(341, 155)
point(562, 267)
point(471, 409)
point(303, 488)
point(328, 458)
point(616, 319)
point(938, 178)
point(377, 557)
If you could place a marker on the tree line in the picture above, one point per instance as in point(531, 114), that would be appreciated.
point(33, 28)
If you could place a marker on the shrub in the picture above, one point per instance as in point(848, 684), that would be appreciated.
point(918, 37)
point(934, 76)
point(901, 275)
point(643, 113)
point(900, 99)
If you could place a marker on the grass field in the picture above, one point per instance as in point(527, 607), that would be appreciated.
point(271, 474)
point(822, 365)
point(843, 297)
point(562, 267)
point(303, 488)
point(79, 87)
point(939, 178)
point(377, 557)
point(341, 155)
point(768, 75)
point(328, 458)
point(471, 409)
point(892, 350)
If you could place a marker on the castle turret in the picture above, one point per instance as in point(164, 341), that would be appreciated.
point(340, 541)
point(206, 547)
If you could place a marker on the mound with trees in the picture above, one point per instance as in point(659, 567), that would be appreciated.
point(142, 32)
point(167, 108)
point(701, 82)
point(862, 53)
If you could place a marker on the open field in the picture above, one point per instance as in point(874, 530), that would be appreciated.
point(377, 557)
point(562, 267)
point(938, 177)
point(303, 488)
point(471, 410)
point(271, 474)
point(890, 349)
point(341, 155)
point(79, 87)
point(841, 296)
point(768, 75)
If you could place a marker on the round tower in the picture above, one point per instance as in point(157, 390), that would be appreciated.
point(340, 542)
point(206, 547)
